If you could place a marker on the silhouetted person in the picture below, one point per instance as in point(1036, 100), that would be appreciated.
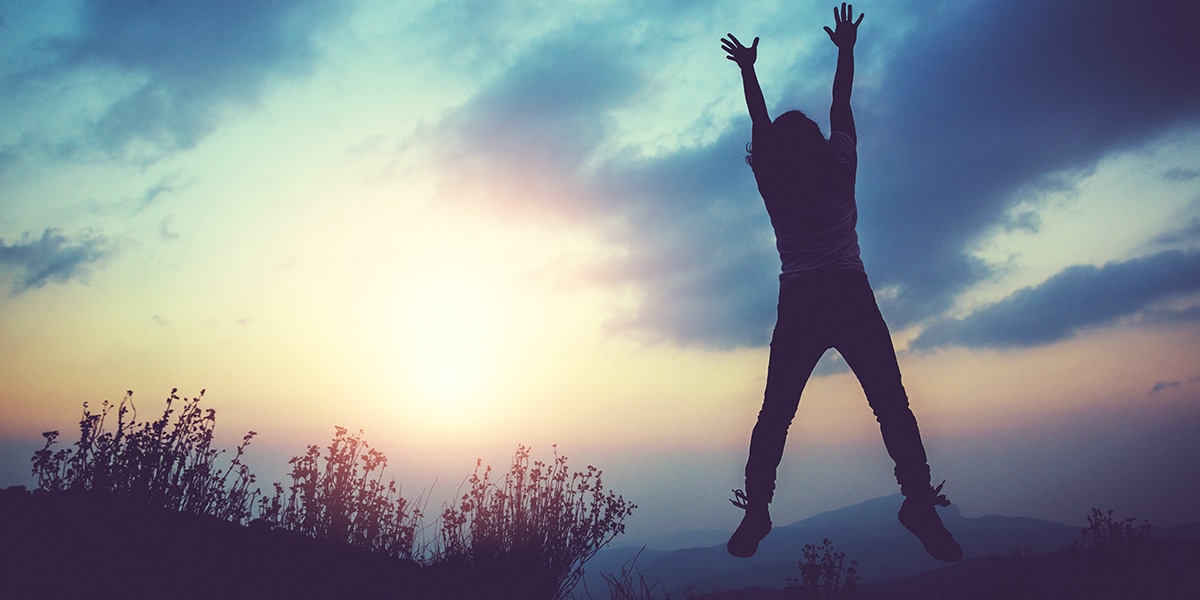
point(825, 300)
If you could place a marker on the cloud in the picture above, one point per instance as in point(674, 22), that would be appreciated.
point(992, 101)
point(970, 111)
point(180, 64)
point(972, 108)
point(51, 258)
point(698, 239)
point(517, 149)
point(1164, 385)
point(1077, 297)
point(156, 193)
point(1181, 174)
point(1187, 230)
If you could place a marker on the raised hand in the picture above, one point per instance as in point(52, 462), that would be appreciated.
point(743, 56)
point(846, 32)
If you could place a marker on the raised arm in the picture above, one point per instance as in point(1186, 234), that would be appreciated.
point(845, 34)
point(745, 57)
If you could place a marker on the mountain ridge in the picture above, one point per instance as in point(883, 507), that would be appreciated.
point(867, 532)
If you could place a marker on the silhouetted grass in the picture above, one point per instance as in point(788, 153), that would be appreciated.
point(345, 500)
point(167, 463)
point(534, 528)
point(525, 535)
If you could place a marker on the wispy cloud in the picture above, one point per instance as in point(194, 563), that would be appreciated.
point(51, 258)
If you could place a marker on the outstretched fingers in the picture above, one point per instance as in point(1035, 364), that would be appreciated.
point(846, 14)
point(730, 44)
point(845, 30)
point(738, 52)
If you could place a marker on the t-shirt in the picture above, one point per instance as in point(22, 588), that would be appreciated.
point(817, 232)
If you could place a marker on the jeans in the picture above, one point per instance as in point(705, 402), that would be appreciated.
point(822, 310)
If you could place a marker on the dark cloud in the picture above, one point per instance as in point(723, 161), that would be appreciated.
point(51, 258)
point(1181, 174)
point(978, 107)
point(1164, 385)
point(1076, 298)
point(193, 60)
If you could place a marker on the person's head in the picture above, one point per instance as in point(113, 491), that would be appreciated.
point(797, 134)
point(794, 141)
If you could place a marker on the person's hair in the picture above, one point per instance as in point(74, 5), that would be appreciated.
point(794, 146)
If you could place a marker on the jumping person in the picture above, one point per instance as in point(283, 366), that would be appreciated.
point(825, 300)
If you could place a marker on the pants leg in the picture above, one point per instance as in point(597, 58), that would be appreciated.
point(866, 344)
point(796, 346)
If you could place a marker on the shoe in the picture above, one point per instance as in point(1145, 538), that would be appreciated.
point(919, 516)
point(754, 527)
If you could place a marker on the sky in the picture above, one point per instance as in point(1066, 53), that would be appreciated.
point(461, 226)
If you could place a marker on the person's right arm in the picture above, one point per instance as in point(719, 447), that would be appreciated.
point(745, 57)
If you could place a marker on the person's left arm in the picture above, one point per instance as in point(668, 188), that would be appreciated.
point(844, 36)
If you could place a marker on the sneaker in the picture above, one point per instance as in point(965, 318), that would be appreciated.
point(919, 516)
point(754, 527)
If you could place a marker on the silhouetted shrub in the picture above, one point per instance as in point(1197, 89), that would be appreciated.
point(1104, 533)
point(167, 463)
point(824, 574)
point(346, 500)
point(1113, 555)
point(532, 531)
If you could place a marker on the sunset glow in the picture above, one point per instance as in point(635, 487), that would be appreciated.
point(464, 226)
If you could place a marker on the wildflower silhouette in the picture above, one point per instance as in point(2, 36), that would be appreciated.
point(825, 300)
point(824, 574)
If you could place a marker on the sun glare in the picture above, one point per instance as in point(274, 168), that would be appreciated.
point(458, 334)
point(455, 327)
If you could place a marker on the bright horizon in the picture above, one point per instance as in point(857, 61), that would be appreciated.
point(463, 227)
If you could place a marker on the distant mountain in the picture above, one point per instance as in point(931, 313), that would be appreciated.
point(691, 538)
point(1156, 569)
point(868, 533)
point(1159, 569)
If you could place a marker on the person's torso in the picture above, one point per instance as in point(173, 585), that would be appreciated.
point(815, 228)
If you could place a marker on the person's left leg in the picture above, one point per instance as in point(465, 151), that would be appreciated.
point(866, 344)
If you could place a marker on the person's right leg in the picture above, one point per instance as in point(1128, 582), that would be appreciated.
point(795, 349)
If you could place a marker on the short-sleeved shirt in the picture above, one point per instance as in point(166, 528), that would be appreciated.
point(818, 231)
